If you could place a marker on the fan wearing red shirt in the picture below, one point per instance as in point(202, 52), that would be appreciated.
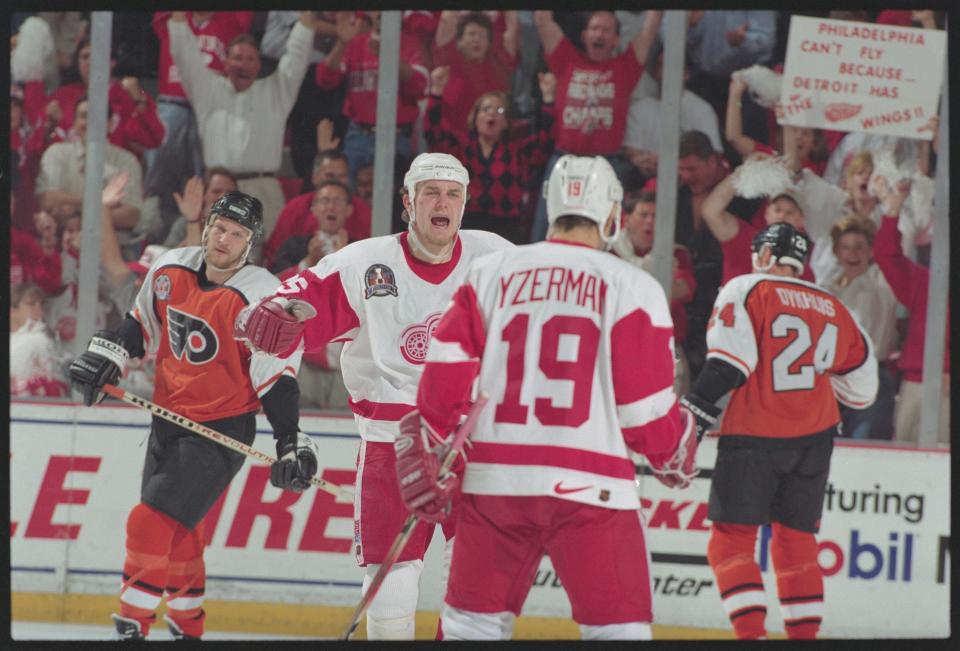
point(356, 58)
point(593, 88)
point(910, 283)
point(133, 122)
point(478, 62)
point(296, 219)
point(735, 234)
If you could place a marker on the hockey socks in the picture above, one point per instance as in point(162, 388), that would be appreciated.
point(799, 581)
point(163, 556)
point(186, 578)
point(730, 553)
point(149, 535)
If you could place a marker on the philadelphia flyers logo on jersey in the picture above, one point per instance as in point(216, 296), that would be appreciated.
point(191, 335)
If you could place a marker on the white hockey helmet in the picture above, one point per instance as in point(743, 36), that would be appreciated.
point(431, 166)
point(585, 186)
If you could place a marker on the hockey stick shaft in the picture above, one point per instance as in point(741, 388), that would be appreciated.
point(213, 435)
point(410, 523)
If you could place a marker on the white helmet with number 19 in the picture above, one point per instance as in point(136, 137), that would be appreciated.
point(585, 186)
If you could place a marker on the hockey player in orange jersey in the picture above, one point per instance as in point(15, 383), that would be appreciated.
point(789, 350)
point(184, 313)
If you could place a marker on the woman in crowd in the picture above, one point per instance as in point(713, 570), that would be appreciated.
point(860, 286)
point(501, 167)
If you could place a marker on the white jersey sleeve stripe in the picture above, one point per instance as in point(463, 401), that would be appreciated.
point(640, 412)
point(726, 356)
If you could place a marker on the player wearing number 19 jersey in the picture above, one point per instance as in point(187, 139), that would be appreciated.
point(575, 349)
point(789, 350)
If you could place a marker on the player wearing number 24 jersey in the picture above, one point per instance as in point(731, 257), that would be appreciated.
point(575, 349)
point(789, 338)
point(789, 350)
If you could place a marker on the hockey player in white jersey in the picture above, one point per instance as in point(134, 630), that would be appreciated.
point(383, 297)
point(575, 349)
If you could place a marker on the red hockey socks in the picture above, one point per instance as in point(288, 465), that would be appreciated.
point(186, 579)
point(730, 553)
point(799, 581)
point(149, 537)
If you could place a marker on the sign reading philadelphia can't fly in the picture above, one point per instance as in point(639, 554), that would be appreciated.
point(852, 76)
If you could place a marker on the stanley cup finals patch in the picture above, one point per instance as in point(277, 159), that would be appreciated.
point(379, 280)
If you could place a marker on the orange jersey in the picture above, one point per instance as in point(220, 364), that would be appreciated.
point(202, 372)
point(800, 349)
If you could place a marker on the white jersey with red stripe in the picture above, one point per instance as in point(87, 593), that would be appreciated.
point(575, 349)
point(384, 304)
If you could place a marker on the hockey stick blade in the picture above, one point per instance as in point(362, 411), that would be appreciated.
point(215, 436)
point(466, 427)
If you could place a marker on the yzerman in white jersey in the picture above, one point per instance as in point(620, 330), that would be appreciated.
point(383, 297)
point(575, 349)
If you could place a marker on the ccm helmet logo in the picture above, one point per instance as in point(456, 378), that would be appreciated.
point(237, 209)
point(191, 336)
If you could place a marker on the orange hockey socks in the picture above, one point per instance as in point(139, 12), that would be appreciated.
point(186, 580)
point(799, 581)
point(149, 537)
point(730, 553)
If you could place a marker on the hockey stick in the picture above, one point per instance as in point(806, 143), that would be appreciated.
point(407, 530)
point(214, 436)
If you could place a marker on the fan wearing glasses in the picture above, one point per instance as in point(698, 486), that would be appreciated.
point(501, 166)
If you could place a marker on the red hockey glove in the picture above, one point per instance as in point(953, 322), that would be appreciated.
point(680, 469)
point(425, 493)
point(274, 324)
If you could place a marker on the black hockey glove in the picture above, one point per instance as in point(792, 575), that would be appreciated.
point(296, 463)
point(706, 413)
point(102, 363)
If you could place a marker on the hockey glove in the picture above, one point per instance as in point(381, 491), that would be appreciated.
point(706, 413)
point(425, 493)
point(274, 324)
point(680, 469)
point(102, 363)
point(296, 463)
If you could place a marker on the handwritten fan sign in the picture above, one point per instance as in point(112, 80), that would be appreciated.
point(852, 76)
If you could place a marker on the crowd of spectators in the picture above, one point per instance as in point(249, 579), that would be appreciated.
point(282, 105)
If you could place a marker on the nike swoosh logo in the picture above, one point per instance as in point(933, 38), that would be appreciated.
point(560, 490)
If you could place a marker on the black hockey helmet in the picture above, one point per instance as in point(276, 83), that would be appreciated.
point(787, 244)
point(243, 209)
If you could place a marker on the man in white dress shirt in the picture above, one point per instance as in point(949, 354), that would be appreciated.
point(241, 118)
